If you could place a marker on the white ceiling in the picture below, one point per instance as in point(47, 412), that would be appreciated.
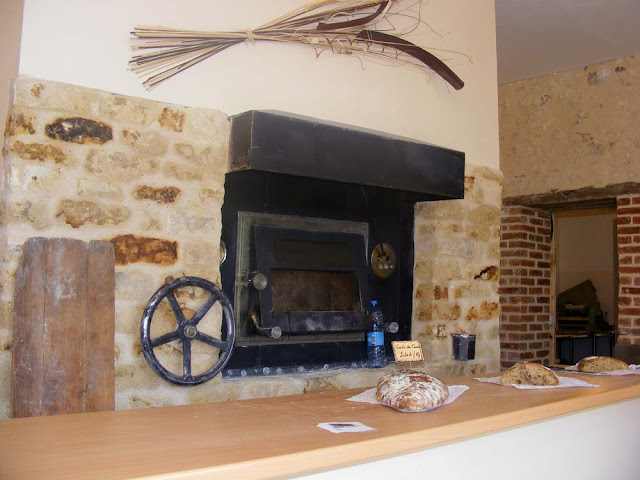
point(537, 37)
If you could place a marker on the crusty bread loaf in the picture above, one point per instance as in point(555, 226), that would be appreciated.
point(601, 364)
point(529, 373)
point(411, 391)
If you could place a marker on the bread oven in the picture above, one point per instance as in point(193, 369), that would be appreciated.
point(300, 277)
point(317, 221)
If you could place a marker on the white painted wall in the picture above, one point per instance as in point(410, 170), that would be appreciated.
point(595, 444)
point(10, 29)
point(86, 42)
point(586, 252)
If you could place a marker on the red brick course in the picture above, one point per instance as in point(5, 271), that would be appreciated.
point(525, 279)
point(628, 236)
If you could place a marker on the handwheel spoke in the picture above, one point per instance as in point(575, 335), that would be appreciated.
point(202, 311)
point(163, 339)
point(186, 357)
point(209, 340)
point(175, 307)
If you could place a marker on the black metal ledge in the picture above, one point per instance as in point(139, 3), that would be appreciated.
point(278, 142)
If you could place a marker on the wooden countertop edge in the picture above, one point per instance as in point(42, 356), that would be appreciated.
point(323, 459)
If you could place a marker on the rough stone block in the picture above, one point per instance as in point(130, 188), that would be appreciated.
point(118, 165)
point(453, 269)
point(135, 285)
point(18, 124)
point(485, 215)
point(481, 233)
point(208, 124)
point(125, 348)
point(490, 272)
point(456, 248)
point(137, 376)
point(423, 268)
point(181, 172)
point(491, 191)
point(446, 311)
point(79, 130)
point(211, 197)
point(484, 311)
point(27, 179)
point(440, 292)
point(182, 222)
point(172, 119)
point(436, 350)
point(34, 213)
point(158, 195)
point(200, 253)
point(61, 97)
point(161, 396)
point(79, 212)
point(135, 249)
point(439, 331)
point(210, 156)
point(40, 152)
point(100, 189)
point(130, 110)
point(145, 143)
point(472, 290)
point(443, 210)
point(129, 312)
point(492, 175)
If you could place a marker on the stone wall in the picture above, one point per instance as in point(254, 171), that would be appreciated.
point(628, 236)
point(571, 130)
point(457, 255)
point(149, 177)
point(525, 285)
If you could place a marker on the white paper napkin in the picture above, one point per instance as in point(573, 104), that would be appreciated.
point(632, 370)
point(369, 396)
point(564, 382)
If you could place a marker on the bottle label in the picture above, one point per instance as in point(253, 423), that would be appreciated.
point(375, 339)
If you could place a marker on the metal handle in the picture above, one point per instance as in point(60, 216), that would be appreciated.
point(391, 327)
point(257, 280)
point(271, 332)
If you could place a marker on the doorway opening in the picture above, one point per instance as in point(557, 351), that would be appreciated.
point(585, 284)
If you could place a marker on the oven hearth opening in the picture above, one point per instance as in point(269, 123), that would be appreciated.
point(314, 291)
point(312, 237)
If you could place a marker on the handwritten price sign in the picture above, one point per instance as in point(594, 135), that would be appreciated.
point(409, 351)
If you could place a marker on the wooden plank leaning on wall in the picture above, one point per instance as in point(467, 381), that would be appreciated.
point(63, 328)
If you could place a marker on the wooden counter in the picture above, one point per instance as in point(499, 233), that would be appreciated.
point(266, 438)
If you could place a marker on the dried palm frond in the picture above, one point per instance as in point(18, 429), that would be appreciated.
point(341, 26)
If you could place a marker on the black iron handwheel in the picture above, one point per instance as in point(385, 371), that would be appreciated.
point(187, 330)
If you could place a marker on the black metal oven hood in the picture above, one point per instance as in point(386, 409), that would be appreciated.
point(278, 142)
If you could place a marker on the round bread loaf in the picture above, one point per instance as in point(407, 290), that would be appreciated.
point(601, 364)
point(529, 373)
point(411, 391)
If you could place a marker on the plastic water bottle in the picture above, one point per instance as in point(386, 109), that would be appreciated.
point(376, 357)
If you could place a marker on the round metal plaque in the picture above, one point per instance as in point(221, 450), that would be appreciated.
point(383, 260)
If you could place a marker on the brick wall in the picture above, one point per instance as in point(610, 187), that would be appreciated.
point(629, 269)
point(525, 284)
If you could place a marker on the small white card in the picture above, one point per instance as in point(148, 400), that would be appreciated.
point(407, 351)
point(345, 427)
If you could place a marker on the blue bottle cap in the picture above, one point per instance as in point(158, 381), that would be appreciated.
point(374, 303)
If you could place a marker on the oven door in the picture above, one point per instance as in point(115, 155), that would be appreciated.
point(316, 281)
